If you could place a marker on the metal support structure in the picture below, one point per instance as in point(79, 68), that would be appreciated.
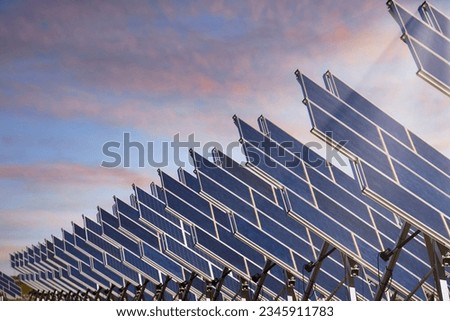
point(140, 291)
point(314, 267)
point(209, 291)
point(417, 287)
point(386, 254)
point(260, 278)
point(161, 289)
point(351, 271)
point(77, 296)
point(290, 286)
point(436, 254)
point(184, 288)
point(244, 291)
point(59, 295)
point(86, 296)
point(392, 256)
point(188, 286)
point(109, 293)
point(97, 293)
point(288, 289)
point(123, 292)
point(220, 282)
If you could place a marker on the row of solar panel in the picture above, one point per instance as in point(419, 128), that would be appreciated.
point(101, 235)
point(394, 167)
point(280, 214)
point(414, 184)
point(150, 202)
point(228, 198)
point(331, 203)
point(243, 269)
point(8, 287)
point(428, 40)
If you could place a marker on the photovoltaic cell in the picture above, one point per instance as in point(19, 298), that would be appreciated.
point(178, 245)
point(352, 212)
point(428, 42)
point(435, 18)
point(219, 243)
point(381, 181)
point(267, 234)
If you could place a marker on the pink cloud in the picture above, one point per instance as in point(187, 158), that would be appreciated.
point(61, 174)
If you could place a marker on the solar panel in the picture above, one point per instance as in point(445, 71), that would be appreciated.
point(141, 250)
point(382, 218)
point(428, 42)
point(51, 261)
point(273, 220)
point(128, 258)
point(97, 240)
point(73, 261)
point(435, 18)
point(347, 218)
point(176, 236)
point(85, 255)
point(34, 271)
point(44, 267)
point(214, 239)
point(401, 166)
point(8, 286)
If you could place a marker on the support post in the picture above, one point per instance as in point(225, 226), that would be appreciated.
point(188, 286)
point(123, 292)
point(351, 271)
point(161, 289)
point(141, 290)
point(109, 293)
point(314, 267)
point(392, 256)
point(260, 278)
point(219, 284)
point(435, 255)
point(417, 287)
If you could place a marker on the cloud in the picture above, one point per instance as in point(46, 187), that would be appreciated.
point(66, 174)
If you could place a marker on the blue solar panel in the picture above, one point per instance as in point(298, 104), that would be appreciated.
point(273, 233)
point(164, 263)
point(129, 219)
point(328, 196)
point(84, 265)
point(428, 44)
point(145, 269)
point(133, 227)
point(97, 277)
point(419, 167)
point(82, 245)
point(123, 269)
point(73, 264)
point(219, 243)
point(413, 168)
point(74, 252)
point(175, 188)
point(435, 18)
point(405, 203)
point(8, 286)
point(95, 238)
point(435, 161)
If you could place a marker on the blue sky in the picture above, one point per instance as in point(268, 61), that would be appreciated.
point(77, 74)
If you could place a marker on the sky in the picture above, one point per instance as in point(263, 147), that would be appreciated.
point(75, 75)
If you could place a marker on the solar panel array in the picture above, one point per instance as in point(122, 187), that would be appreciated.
point(8, 287)
point(428, 40)
point(284, 225)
